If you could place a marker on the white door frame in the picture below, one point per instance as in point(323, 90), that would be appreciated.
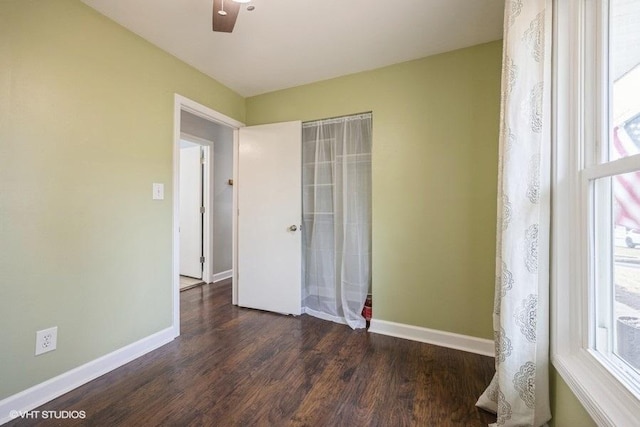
point(182, 103)
point(207, 192)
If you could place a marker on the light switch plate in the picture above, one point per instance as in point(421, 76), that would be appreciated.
point(158, 191)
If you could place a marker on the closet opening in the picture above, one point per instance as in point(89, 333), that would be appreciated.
point(336, 206)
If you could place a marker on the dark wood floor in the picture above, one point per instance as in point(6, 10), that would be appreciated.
point(234, 366)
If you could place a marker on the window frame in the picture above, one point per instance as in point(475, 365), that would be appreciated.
point(578, 48)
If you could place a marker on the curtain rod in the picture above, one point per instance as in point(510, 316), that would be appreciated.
point(366, 114)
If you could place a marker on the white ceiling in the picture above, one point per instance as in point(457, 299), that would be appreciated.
point(286, 43)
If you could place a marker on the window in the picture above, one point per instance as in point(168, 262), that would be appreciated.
point(596, 263)
point(613, 204)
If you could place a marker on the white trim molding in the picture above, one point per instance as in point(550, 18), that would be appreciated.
point(46, 391)
point(467, 343)
point(606, 400)
point(218, 277)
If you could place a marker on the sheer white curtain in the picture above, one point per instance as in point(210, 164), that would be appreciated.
point(336, 209)
point(519, 392)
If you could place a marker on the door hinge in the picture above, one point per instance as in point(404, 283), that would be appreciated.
point(201, 209)
point(201, 260)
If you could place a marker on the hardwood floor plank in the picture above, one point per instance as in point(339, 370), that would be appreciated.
point(326, 394)
point(238, 367)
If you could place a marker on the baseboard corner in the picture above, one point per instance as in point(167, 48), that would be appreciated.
point(223, 275)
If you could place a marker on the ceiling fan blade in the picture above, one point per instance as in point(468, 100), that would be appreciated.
point(225, 23)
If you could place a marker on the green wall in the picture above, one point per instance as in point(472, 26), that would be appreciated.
point(86, 126)
point(435, 133)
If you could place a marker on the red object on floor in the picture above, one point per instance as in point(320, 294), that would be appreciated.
point(367, 309)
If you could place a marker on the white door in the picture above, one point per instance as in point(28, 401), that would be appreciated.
point(190, 215)
point(269, 217)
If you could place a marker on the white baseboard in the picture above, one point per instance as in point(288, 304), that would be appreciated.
point(222, 276)
point(432, 336)
point(44, 392)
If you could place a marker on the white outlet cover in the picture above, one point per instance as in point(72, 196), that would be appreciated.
point(158, 191)
point(46, 340)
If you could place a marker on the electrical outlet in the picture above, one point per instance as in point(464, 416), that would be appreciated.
point(46, 340)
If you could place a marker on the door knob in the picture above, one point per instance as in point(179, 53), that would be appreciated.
point(293, 228)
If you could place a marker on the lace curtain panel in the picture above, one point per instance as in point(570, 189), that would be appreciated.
point(336, 179)
point(519, 392)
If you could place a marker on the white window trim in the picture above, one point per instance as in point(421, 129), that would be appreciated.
point(605, 398)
